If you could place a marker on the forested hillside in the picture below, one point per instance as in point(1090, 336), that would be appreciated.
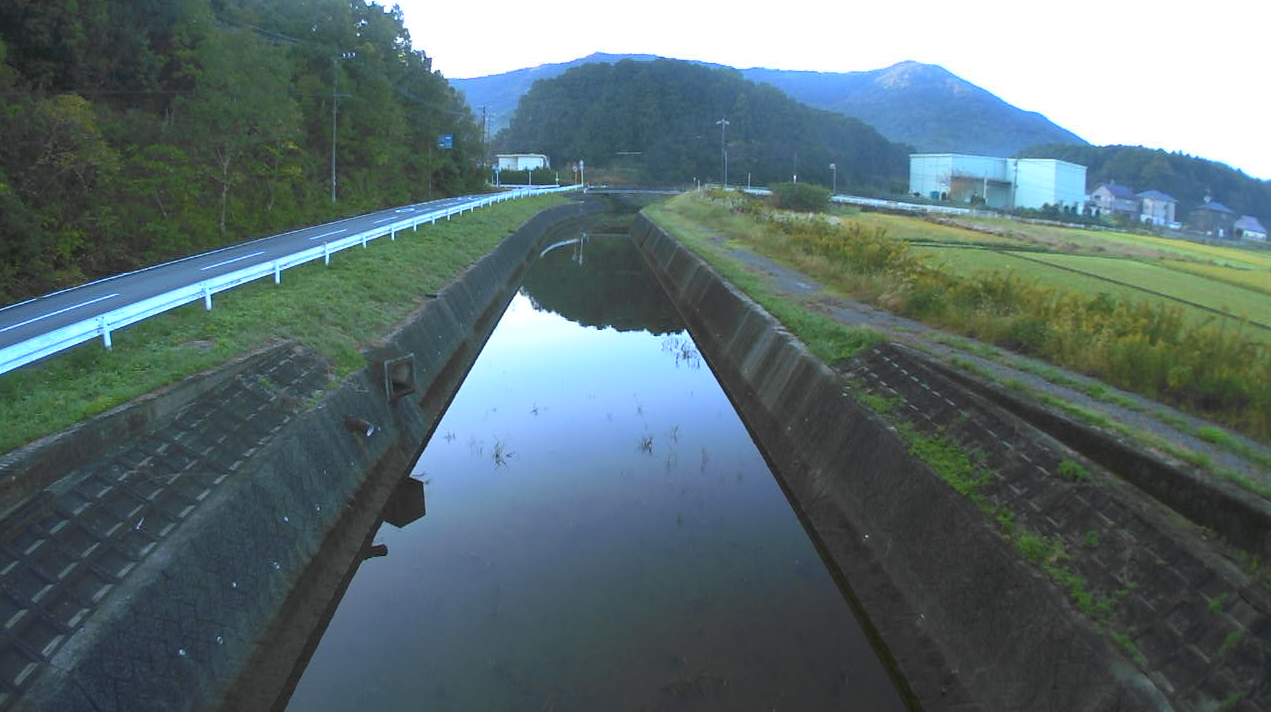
point(1184, 177)
point(658, 118)
point(139, 131)
point(923, 105)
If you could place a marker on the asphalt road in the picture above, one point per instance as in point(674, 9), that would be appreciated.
point(34, 317)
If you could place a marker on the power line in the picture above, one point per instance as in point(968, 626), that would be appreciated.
point(129, 92)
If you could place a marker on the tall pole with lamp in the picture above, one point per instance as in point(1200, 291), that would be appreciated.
point(723, 150)
point(334, 100)
point(834, 178)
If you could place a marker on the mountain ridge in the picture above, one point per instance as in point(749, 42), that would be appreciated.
point(922, 105)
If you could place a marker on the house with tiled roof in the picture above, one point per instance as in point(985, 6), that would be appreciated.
point(1248, 228)
point(1111, 199)
point(1156, 207)
point(1214, 219)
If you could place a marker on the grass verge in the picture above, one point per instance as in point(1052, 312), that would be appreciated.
point(335, 310)
point(825, 337)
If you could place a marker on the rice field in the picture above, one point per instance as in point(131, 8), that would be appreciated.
point(1132, 280)
point(1144, 246)
point(1237, 301)
point(1255, 279)
point(919, 230)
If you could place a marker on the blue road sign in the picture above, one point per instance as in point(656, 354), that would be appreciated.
point(445, 141)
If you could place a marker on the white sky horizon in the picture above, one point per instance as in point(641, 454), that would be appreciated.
point(1133, 73)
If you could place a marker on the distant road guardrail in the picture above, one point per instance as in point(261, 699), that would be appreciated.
point(892, 204)
point(101, 325)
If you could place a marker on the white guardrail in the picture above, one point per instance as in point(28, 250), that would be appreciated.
point(892, 204)
point(49, 343)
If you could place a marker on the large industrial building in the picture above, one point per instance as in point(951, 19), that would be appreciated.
point(998, 182)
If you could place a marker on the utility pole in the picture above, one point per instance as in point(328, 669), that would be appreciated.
point(834, 181)
point(334, 100)
point(485, 149)
point(723, 150)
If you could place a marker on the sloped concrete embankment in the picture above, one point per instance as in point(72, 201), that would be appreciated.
point(223, 502)
point(964, 620)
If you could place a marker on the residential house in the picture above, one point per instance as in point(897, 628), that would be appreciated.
point(1248, 228)
point(1111, 199)
point(1214, 219)
point(1156, 207)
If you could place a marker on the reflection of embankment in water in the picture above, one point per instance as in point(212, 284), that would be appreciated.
point(317, 598)
point(602, 534)
point(611, 288)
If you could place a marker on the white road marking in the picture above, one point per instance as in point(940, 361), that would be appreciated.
point(384, 220)
point(59, 311)
point(328, 234)
point(236, 259)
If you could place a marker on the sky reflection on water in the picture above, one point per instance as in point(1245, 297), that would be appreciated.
point(601, 535)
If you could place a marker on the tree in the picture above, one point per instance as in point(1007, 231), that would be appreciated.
point(801, 197)
point(239, 109)
point(667, 110)
point(144, 130)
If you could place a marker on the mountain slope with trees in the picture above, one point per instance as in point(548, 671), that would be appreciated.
point(659, 117)
point(140, 131)
point(923, 105)
point(1186, 178)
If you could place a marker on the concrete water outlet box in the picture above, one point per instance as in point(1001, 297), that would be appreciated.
point(399, 376)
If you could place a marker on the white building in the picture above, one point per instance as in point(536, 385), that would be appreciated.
point(1156, 207)
point(522, 161)
point(997, 182)
point(1249, 228)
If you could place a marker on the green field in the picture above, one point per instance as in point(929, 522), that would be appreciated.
point(1237, 301)
point(917, 229)
point(1195, 288)
point(1255, 279)
point(968, 260)
point(1145, 246)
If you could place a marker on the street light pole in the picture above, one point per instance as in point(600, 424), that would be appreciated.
point(834, 180)
point(723, 127)
point(334, 100)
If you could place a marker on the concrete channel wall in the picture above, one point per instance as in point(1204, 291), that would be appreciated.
point(282, 483)
point(965, 622)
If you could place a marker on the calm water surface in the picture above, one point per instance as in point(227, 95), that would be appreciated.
point(601, 534)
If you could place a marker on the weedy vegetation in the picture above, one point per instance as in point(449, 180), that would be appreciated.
point(1149, 346)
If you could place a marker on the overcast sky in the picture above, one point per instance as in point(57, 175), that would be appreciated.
point(1183, 77)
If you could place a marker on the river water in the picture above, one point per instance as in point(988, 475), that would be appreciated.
point(601, 534)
